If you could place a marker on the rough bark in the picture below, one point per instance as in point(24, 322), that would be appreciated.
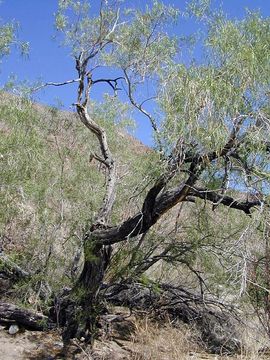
point(82, 306)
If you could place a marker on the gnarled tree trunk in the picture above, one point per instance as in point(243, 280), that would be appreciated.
point(84, 306)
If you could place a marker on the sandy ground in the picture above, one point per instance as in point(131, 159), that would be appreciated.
point(28, 345)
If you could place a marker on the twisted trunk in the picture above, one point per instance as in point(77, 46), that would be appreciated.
point(83, 306)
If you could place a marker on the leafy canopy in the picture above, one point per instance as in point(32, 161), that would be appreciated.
point(196, 102)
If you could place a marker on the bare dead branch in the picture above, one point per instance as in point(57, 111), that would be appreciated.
point(11, 313)
point(97, 157)
point(156, 204)
point(216, 198)
point(55, 84)
point(112, 82)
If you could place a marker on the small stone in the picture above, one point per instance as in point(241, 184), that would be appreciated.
point(13, 329)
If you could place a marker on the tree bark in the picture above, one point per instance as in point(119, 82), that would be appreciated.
point(83, 307)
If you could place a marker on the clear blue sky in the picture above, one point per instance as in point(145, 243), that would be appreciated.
point(50, 62)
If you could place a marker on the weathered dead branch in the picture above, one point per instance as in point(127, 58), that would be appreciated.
point(10, 313)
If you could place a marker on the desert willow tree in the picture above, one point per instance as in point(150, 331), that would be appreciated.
point(210, 119)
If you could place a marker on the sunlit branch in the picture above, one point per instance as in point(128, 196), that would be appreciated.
point(139, 106)
point(55, 84)
point(114, 25)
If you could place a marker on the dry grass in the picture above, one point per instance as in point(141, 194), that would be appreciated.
point(163, 342)
point(154, 341)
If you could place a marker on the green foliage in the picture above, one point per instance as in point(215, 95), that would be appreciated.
point(143, 46)
point(8, 38)
point(200, 100)
point(198, 8)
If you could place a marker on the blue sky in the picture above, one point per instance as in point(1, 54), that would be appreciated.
point(50, 62)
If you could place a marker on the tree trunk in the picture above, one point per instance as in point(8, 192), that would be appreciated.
point(83, 306)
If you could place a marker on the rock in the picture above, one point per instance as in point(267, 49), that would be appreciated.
point(5, 285)
point(13, 329)
point(109, 350)
point(117, 326)
point(123, 329)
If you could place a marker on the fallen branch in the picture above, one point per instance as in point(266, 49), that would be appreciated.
point(10, 313)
